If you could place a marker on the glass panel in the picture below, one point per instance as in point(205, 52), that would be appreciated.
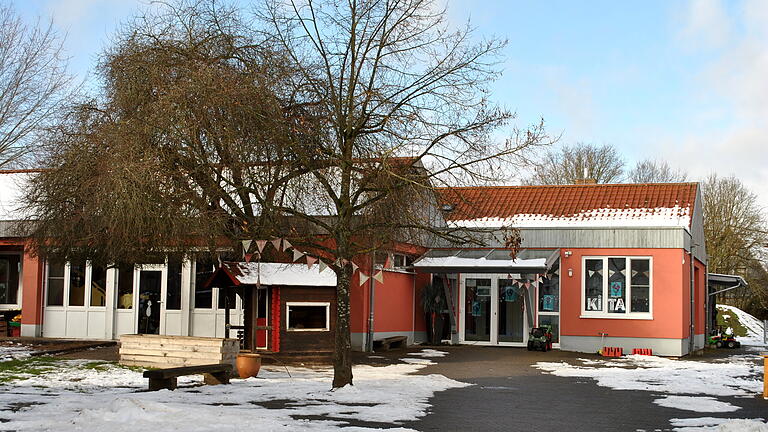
point(98, 286)
point(641, 290)
point(617, 285)
point(150, 282)
point(173, 300)
point(511, 311)
point(5, 267)
point(203, 271)
point(549, 292)
point(55, 284)
point(554, 321)
point(125, 287)
point(593, 285)
point(477, 310)
point(306, 317)
point(77, 285)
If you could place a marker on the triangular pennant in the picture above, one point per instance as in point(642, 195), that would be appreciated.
point(286, 245)
point(527, 285)
point(647, 274)
point(600, 272)
point(623, 271)
point(322, 265)
point(634, 273)
point(297, 254)
point(260, 245)
point(248, 257)
point(246, 245)
point(310, 261)
point(591, 272)
point(354, 267)
point(379, 277)
point(276, 243)
point(388, 261)
point(363, 278)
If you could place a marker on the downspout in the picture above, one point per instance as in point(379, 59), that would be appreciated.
point(707, 306)
point(371, 304)
point(691, 341)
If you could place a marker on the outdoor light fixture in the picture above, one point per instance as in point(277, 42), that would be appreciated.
point(570, 272)
point(568, 253)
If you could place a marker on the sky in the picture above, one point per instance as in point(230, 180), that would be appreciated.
point(683, 81)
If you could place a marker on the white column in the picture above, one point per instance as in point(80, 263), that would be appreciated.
point(187, 267)
point(111, 304)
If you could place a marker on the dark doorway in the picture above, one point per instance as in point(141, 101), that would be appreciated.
point(150, 286)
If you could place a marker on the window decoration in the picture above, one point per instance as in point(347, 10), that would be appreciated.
point(610, 290)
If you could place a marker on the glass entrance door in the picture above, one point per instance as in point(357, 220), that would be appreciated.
point(150, 303)
point(494, 310)
point(477, 309)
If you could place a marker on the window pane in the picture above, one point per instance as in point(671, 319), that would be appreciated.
point(549, 292)
point(9, 279)
point(203, 271)
point(125, 287)
point(4, 279)
point(56, 269)
point(641, 290)
point(98, 286)
point(593, 283)
point(173, 300)
point(640, 272)
point(77, 285)
point(511, 319)
point(307, 317)
point(55, 291)
point(554, 322)
point(617, 281)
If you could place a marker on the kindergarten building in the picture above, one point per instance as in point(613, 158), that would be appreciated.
point(605, 265)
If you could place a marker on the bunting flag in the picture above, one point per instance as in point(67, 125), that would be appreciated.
point(388, 261)
point(297, 254)
point(354, 267)
point(310, 262)
point(623, 271)
point(246, 245)
point(322, 265)
point(527, 285)
point(379, 277)
point(634, 273)
point(591, 272)
point(248, 257)
point(611, 273)
point(260, 245)
point(276, 243)
point(363, 278)
point(286, 245)
point(556, 272)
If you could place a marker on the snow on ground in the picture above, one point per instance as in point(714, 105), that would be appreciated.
point(14, 351)
point(686, 385)
point(719, 424)
point(429, 353)
point(75, 395)
point(753, 325)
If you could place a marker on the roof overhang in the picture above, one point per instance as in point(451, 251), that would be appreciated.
point(485, 261)
point(271, 274)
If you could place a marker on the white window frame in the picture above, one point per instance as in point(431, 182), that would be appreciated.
point(67, 286)
point(604, 314)
point(327, 316)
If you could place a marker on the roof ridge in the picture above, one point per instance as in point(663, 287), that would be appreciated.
point(566, 186)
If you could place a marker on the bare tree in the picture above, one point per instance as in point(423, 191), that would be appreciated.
point(655, 171)
point(33, 81)
point(577, 163)
point(735, 231)
point(328, 123)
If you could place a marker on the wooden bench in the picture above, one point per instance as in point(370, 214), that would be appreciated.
point(166, 378)
point(389, 343)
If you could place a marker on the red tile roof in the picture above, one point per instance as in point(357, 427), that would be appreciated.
point(569, 201)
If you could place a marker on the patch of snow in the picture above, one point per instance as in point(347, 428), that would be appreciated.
point(429, 353)
point(454, 261)
point(753, 325)
point(283, 274)
point(675, 216)
point(738, 376)
point(110, 398)
point(719, 424)
point(696, 403)
point(12, 352)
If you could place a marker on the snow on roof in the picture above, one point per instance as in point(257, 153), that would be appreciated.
point(11, 190)
point(481, 264)
point(279, 274)
point(603, 205)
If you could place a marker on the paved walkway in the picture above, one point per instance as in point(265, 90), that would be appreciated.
point(510, 395)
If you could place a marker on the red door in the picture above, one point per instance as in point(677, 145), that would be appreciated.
point(262, 317)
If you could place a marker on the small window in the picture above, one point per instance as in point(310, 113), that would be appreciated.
point(308, 316)
point(173, 300)
point(203, 296)
point(125, 287)
point(55, 284)
point(77, 284)
point(98, 286)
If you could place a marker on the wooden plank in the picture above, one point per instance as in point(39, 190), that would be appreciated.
point(178, 354)
point(187, 340)
point(178, 347)
point(187, 370)
point(162, 362)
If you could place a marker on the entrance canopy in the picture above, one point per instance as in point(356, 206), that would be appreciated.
point(486, 261)
point(274, 274)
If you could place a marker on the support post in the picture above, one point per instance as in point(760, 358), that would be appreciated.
point(371, 306)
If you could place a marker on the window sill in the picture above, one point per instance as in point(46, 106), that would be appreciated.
point(645, 317)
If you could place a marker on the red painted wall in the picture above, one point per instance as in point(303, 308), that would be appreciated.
point(700, 281)
point(669, 303)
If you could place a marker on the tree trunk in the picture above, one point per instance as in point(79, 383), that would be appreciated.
point(342, 352)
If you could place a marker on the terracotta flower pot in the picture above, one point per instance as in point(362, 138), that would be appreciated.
point(248, 365)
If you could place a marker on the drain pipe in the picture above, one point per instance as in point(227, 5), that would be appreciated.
point(691, 341)
point(371, 304)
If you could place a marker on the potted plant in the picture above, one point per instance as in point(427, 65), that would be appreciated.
point(433, 303)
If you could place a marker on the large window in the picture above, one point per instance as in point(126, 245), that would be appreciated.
point(98, 286)
point(125, 286)
point(617, 287)
point(173, 301)
point(9, 279)
point(308, 316)
point(203, 270)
